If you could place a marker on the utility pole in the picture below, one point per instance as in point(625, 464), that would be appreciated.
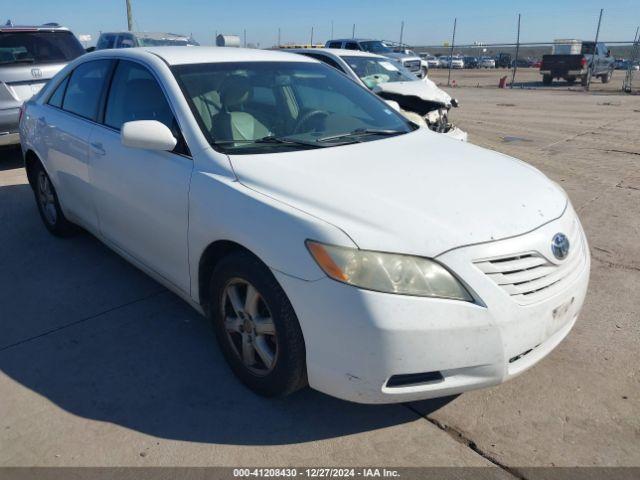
point(332, 29)
point(279, 38)
point(515, 62)
point(311, 37)
point(401, 31)
point(245, 38)
point(453, 42)
point(593, 56)
point(353, 31)
point(129, 16)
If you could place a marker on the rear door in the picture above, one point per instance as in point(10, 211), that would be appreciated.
point(142, 196)
point(65, 128)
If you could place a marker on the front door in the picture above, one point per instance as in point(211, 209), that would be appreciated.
point(142, 196)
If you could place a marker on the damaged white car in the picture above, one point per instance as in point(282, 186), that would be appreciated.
point(419, 100)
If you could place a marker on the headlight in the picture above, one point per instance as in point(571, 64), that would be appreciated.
point(387, 272)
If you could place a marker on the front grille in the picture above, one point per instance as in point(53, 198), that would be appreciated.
point(412, 65)
point(529, 277)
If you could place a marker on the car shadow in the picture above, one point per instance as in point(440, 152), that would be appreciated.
point(101, 340)
point(556, 85)
point(10, 158)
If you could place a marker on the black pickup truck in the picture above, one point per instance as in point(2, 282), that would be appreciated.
point(594, 56)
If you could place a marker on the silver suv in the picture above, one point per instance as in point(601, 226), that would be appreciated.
point(29, 56)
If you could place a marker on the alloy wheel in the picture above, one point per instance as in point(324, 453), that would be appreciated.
point(249, 326)
point(47, 198)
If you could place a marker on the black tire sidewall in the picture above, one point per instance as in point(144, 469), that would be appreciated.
point(289, 373)
point(62, 227)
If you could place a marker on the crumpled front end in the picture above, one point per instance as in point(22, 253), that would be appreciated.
point(424, 104)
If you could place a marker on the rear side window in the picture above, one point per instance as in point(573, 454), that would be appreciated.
point(38, 47)
point(58, 94)
point(85, 88)
point(335, 45)
point(136, 95)
point(352, 46)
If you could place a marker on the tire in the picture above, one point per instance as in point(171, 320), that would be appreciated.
point(571, 80)
point(49, 206)
point(425, 72)
point(244, 341)
point(584, 80)
point(607, 77)
point(547, 79)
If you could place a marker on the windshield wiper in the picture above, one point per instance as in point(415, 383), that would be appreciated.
point(273, 140)
point(359, 132)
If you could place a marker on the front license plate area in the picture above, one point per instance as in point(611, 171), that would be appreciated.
point(560, 316)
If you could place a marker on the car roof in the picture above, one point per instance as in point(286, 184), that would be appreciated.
point(195, 55)
point(339, 52)
point(151, 35)
point(51, 27)
point(353, 40)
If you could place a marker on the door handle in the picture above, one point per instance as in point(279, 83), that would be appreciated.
point(97, 148)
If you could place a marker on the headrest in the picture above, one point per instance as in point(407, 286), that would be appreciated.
point(235, 91)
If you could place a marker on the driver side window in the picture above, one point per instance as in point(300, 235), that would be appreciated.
point(136, 95)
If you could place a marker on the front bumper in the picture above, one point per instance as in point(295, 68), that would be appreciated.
point(9, 126)
point(356, 340)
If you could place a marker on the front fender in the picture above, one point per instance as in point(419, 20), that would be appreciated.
point(221, 208)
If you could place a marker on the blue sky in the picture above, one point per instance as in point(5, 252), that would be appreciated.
point(426, 21)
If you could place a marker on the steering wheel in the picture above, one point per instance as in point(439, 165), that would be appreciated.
point(308, 116)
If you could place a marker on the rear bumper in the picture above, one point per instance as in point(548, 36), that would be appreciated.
point(563, 74)
point(9, 126)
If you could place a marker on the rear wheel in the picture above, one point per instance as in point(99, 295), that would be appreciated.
point(49, 206)
point(256, 326)
point(607, 77)
point(547, 79)
point(584, 79)
point(571, 80)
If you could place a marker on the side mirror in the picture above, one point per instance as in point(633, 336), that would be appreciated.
point(455, 103)
point(89, 49)
point(148, 135)
point(608, 53)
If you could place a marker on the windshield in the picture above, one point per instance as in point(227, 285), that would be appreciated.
point(373, 71)
point(375, 46)
point(38, 47)
point(262, 107)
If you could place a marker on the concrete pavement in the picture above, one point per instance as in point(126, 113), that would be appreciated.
point(101, 366)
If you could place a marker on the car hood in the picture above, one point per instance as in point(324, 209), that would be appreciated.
point(424, 92)
point(419, 193)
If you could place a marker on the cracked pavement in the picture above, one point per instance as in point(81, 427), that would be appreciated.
point(101, 366)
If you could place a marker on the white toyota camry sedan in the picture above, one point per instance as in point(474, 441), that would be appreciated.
point(330, 241)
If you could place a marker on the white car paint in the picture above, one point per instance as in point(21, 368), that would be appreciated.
point(419, 193)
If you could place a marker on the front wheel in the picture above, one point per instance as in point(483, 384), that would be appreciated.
point(547, 79)
point(256, 326)
point(49, 205)
point(425, 72)
point(607, 77)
